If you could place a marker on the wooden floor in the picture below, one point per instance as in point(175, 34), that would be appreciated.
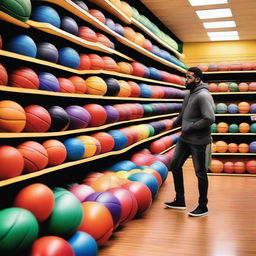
point(228, 230)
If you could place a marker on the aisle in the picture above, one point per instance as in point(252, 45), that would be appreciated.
point(228, 230)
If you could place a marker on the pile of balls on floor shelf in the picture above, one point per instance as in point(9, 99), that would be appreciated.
point(75, 220)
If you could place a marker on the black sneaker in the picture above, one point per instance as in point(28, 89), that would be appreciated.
point(176, 205)
point(199, 212)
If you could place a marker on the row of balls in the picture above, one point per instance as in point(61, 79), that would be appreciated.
point(35, 118)
point(227, 66)
point(223, 127)
point(31, 156)
point(223, 147)
point(24, 77)
point(232, 87)
point(242, 108)
point(233, 166)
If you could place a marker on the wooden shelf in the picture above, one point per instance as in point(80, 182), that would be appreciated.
point(82, 96)
point(78, 11)
point(6, 17)
point(168, 149)
point(73, 163)
point(231, 174)
point(231, 93)
point(229, 115)
point(230, 72)
point(233, 154)
point(90, 129)
point(231, 134)
point(148, 32)
point(82, 72)
point(108, 6)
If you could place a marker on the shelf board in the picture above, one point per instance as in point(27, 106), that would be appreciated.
point(82, 96)
point(6, 17)
point(231, 174)
point(90, 129)
point(233, 154)
point(73, 163)
point(232, 133)
point(168, 149)
point(228, 115)
point(232, 93)
point(78, 11)
point(147, 31)
point(230, 72)
point(113, 10)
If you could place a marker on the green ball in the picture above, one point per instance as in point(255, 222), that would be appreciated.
point(151, 130)
point(148, 110)
point(18, 230)
point(67, 213)
point(19, 9)
point(135, 13)
point(214, 128)
point(233, 87)
point(221, 108)
point(233, 128)
point(253, 127)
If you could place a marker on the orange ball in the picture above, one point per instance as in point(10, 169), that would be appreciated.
point(244, 127)
point(239, 167)
point(251, 166)
point(235, 66)
point(126, 9)
point(203, 67)
point(109, 64)
point(139, 39)
point(213, 67)
point(213, 87)
point(129, 33)
point(87, 34)
point(91, 177)
point(96, 61)
point(125, 89)
point(102, 39)
point(79, 84)
point(35, 156)
point(66, 85)
point(243, 87)
point(56, 151)
point(36, 198)
point(85, 62)
point(124, 67)
point(243, 148)
point(252, 86)
point(97, 221)
point(224, 66)
point(223, 87)
point(96, 85)
point(213, 147)
point(12, 116)
point(246, 66)
point(89, 144)
point(12, 162)
point(222, 127)
point(228, 167)
point(221, 146)
point(98, 15)
point(107, 142)
point(243, 107)
point(98, 114)
point(216, 166)
point(232, 147)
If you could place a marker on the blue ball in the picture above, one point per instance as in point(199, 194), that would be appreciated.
point(148, 179)
point(24, 45)
point(155, 74)
point(252, 147)
point(48, 82)
point(119, 29)
point(155, 50)
point(46, 14)
point(48, 52)
point(160, 168)
point(124, 165)
point(69, 57)
point(145, 91)
point(69, 24)
point(83, 244)
point(75, 148)
point(146, 72)
point(119, 138)
point(232, 108)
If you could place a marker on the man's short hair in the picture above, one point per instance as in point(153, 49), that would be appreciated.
point(196, 71)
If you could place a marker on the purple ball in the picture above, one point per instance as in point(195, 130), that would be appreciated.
point(112, 114)
point(146, 72)
point(109, 201)
point(48, 52)
point(79, 117)
point(253, 108)
point(110, 23)
point(163, 158)
point(48, 82)
point(119, 29)
point(69, 24)
point(252, 147)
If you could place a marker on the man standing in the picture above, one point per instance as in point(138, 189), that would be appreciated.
point(195, 118)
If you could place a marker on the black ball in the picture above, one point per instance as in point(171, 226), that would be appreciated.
point(81, 4)
point(60, 119)
point(113, 87)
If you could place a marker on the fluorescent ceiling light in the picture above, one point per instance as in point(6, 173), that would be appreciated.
point(220, 24)
point(214, 13)
point(224, 38)
point(207, 2)
point(222, 33)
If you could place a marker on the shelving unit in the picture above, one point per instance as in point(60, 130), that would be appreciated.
point(6, 17)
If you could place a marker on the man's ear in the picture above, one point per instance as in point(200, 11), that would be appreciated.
point(197, 79)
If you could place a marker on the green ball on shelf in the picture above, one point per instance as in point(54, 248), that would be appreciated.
point(233, 87)
point(214, 128)
point(233, 128)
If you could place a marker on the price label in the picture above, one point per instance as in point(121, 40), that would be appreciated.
point(253, 118)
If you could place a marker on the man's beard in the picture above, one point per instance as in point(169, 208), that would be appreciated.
point(190, 86)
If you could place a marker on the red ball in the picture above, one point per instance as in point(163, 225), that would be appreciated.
point(38, 119)
point(81, 191)
point(106, 141)
point(85, 62)
point(157, 147)
point(109, 63)
point(147, 45)
point(143, 159)
point(124, 113)
point(35, 156)
point(79, 84)
point(36, 198)
point(96, 61)
point(56, 151)
point(130, 134)
point(66, 85)
point(239, 167)
point(87, 34)
point(141, 193)
point(235, 66)
point(228, 167)
point(138, 69)
point(98, 15)
point(127, 201)
point(98, 114)
point(3, 75)
point(102, 39)
point(251, 166)
point(12, 162)
point(24, 78)
point(135, 89)
point(51, 246)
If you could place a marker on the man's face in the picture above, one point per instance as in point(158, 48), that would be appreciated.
point(191, 80)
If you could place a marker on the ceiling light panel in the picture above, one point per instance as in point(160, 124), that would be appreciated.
point(219, 24)
point(222, 33)
point(207, 2)
point(214, 13)
point(224, 38)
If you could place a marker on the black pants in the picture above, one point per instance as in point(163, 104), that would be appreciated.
point(200, 156)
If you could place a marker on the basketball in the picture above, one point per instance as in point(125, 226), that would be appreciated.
point(60, 119)
point(251, 166)
point(216, 166)
point(35, 156)
point(119, 138)
point(66, 85)
point(203, 67)
point(138, 69)
point(102, 39)
point(75, 148)
point(243, 148)
point(252, 86)
point(147, 45)
point(124, 67)
point(96, 85)
point(48, 82)
point(139, 39)
point(69, 57)
point(36, 198)
point(228, 167)
point(106, 141)
point(212, 67)
point(222, 127)
point(221, 108)
point(221, 146)
point(97, 62)
point(239, 167)
point(243, 87)
point(233, 87)
point(48, 52)
point(89, 145)
point(109, 63)
point(223, 87)
point(81, 4)
point(223, 66)
point(119, 29)
point(252, 147)
point(56, 151)
point(79, 83)
point(38, 119)
point(3, 74)
point(87, 34)
point(253, 108)
point(12, 162)
point(69, 24)
point(12, 116)
point(135, 89)
point(125, 89)
point(112, 114)
point(235, 66)
point(232, 108)
point(243, 107)
point(85, 62)
point(129, 33)
point(244, 127)
point(110, 23)
point(98, 114)
point(213, 87)
point(113, 87)
point(232, 147)
point(98, 15)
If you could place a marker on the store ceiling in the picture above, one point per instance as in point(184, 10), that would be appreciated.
point(180, 17)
